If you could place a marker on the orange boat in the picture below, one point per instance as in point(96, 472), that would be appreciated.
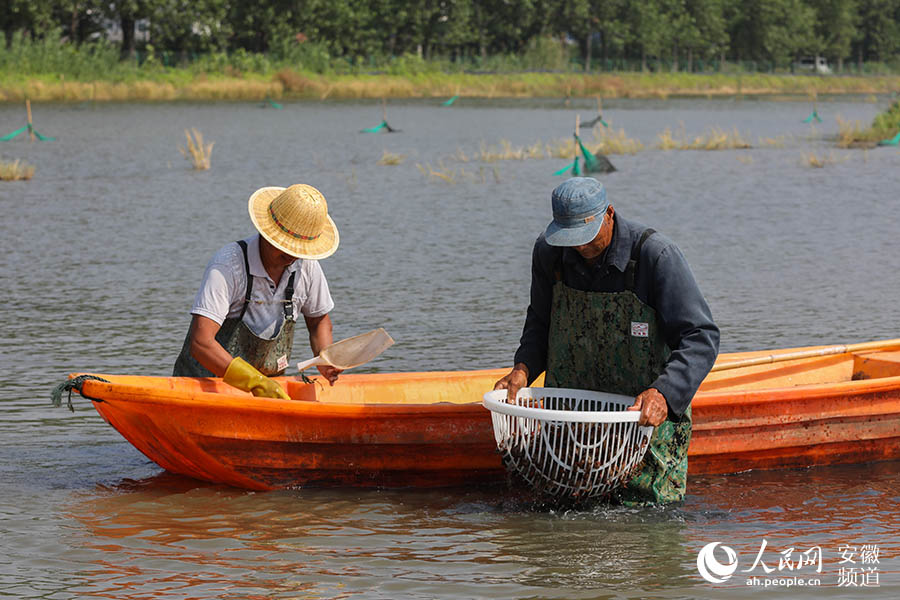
point(757, 410)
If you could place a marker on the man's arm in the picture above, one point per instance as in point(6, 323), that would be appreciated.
point(320, 337)
point(205, 348)
point(531, 356)
point(532, 351)
point(235, 371)
point(688, 327)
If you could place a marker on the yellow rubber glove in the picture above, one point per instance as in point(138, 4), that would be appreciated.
point(243, 376)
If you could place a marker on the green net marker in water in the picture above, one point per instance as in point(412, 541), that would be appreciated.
point(573, 169)
point(813, 117)
point(593, 163)
point(14, 134)
point(28, 127)
point(894, 141)
point(598, 119)
point(375, 129)
point(43, 138)
point(450, 101)
point(384, 124)
point(269, 102)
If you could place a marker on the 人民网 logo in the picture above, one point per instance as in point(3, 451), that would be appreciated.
point(711, 569)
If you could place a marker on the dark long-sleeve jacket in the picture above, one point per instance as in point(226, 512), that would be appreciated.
point(664, 281)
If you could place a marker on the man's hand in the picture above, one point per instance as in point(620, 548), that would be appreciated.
point(517, 378)
point(653, 407)
point(330, 373)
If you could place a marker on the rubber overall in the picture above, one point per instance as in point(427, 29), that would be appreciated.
point(270, 357)
point(612, 342)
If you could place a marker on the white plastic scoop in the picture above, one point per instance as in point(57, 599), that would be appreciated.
point(351, 352)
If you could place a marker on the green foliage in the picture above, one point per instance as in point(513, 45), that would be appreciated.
point(185, 26)
point(546, 53)
point(415, 37)
point(49, 55)
point(408, 64)
point(789, 30)
point(889, 120)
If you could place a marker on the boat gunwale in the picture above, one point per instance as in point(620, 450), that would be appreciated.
point(117, 393)
point(804, 391)
point(702, 399)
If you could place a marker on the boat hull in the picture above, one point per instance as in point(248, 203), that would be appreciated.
point(430, 430)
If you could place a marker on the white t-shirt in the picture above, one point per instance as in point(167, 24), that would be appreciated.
point(224, 286)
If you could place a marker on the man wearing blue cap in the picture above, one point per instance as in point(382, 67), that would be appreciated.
point(615, 308)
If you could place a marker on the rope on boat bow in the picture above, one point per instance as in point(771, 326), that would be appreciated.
point(67, 386)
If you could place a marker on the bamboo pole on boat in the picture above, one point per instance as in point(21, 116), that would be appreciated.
point(827, 351)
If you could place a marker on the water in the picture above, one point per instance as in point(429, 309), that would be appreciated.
point(105, 246)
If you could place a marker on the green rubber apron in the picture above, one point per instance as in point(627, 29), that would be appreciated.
point(612, 342)
point(270, 357)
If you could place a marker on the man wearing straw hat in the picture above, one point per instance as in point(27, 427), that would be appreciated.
point(253, 291)
point(615, 308)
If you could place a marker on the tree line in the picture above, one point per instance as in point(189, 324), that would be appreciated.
point(681, 32)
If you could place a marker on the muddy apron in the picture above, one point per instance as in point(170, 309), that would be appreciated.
point(612, 342)
point(270, 357)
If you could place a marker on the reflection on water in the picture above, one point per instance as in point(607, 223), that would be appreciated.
point(106, 245)
point(172, 535)
point(282, 543)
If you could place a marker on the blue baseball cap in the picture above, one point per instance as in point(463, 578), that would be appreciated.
point(578, 207)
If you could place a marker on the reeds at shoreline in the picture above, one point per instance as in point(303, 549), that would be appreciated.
point(291, 84)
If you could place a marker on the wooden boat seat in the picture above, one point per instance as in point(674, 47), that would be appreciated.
point(874, 365)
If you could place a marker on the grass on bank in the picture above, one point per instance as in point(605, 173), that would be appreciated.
point(884, 126)
point(15, 170)
point(288, 83)
point(47, 68)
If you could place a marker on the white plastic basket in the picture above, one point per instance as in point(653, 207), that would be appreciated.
point(568, 444)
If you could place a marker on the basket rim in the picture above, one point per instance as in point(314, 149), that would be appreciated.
point(495, 401)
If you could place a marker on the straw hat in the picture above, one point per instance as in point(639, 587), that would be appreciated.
point(295, 220)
